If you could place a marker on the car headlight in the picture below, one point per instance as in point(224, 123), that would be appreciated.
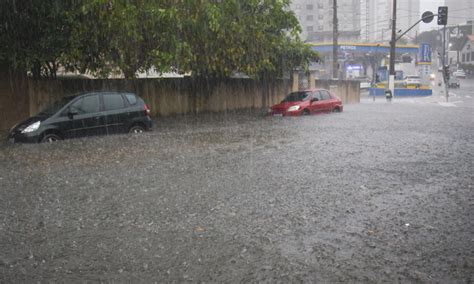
point(293, 108)
point(31, 127)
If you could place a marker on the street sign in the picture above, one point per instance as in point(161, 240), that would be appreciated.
point(427, 17)
point(425, 53)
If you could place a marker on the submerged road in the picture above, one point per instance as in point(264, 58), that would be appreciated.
point(379, 192)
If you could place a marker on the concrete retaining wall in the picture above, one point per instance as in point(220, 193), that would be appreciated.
point(348, 91)
point(21, 97)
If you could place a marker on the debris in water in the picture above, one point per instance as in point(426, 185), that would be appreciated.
point(199, 230)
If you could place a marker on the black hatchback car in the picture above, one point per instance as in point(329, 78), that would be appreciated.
point(85, 115)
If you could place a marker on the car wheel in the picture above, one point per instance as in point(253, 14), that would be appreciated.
point(305, 112)
point(336, 109)
point(50, 138)
point(137, 129)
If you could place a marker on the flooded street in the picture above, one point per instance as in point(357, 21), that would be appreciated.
point(379, 192)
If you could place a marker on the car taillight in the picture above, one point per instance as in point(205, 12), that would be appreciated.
point(147, 110)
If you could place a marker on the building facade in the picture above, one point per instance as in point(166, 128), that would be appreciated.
point(316, 19)
point(376, 16)
point(459, 11)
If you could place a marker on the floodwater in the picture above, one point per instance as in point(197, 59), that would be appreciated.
point(379, 192)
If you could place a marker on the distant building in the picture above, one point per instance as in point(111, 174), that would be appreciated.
point(459, 11)
point(316, 19)
point(467, 52)
point(459, 35)
point(376, 16)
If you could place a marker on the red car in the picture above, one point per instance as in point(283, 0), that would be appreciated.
point(307, 102)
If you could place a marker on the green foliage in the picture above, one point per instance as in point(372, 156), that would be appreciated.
point(126, 36)
point(34, 34)
point(209, 38)
point(251, 36)
point(430, 37)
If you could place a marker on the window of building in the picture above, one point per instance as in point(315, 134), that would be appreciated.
point(472, 56)
point(309, 18)
point(309, 28)
point(321, 16)
point(309, 7)
point(463, 57)
point(320, 5)
point(468, 57)
point(320, 28)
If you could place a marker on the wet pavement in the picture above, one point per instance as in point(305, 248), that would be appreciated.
point(380, 192)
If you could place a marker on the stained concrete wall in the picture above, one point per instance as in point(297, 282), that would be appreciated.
point(21, 97)
point(347, 90)
point(169, 96)
point(14, 99)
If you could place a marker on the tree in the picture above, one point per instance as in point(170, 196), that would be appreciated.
point(34, 34)
point(250, 36)
point(123, 36)
point(209, 38)
point(429, 37)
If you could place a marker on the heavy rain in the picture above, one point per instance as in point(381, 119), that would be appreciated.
point(229, 146)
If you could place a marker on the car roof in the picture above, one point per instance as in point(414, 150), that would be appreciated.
point(98, 93)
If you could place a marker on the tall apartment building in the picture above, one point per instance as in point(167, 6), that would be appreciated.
point(316, 19)
point(376, 18)
point(459, 11)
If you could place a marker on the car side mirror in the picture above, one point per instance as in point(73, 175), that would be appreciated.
point(71, 113)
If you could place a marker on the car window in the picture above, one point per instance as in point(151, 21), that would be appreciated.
point(131, 98)
point(89, 104)
point(325, 95)
point(296, 97)
point(317, 95)
point(113, 101)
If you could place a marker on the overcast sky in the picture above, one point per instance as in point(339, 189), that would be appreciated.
point(430, 5)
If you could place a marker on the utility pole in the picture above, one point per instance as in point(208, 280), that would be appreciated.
point(334, 41)
point(391, 79)
point(443, 21)
point(457, 48)
point(445, 68)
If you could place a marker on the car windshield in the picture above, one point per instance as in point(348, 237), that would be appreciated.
point(295, 97)
point(53, 108)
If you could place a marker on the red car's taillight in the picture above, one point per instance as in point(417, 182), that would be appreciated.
point(147, 110)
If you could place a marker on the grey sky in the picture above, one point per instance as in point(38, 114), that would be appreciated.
point(430, 5)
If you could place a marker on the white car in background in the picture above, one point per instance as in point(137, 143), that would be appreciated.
point(412, 80)
point(365, 82)
point(459, 74)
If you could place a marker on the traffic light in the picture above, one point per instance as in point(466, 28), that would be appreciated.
point(443, 15)
point(446, 72)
